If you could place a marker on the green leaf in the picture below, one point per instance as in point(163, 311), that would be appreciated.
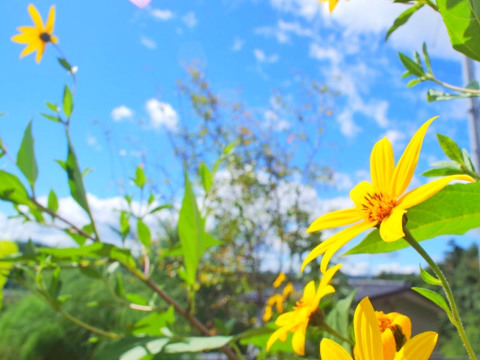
point(445, 171)
point(53, 107)
point(124, 223)
point(119, 287)
point(161, 207)
point(462, 19)
point(190, 232)
point(450, 148)
point(210, 241)
point(435, 95)
point(12, 189)
point(412, 67)
point(136, 299)
point(143, 232)
point(75, 180)
point(65, 64)
point(434, 297)
point(454, 210)
point(428, 278)
point(427, 58)
point(90, 272)
point(339, 319)
point(7, 248)
point(52, 203)
point(152, 324)
point(403, 18)
point(55, 283)
point(26, 157)
point(206, 176)
point(468, 161)
point(67, 102)
point(414, 82)
point(140, 178)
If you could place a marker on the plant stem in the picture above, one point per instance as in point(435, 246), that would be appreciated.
point(448, 291)
point(335, 333)
point(180, 310)
point(472, 92)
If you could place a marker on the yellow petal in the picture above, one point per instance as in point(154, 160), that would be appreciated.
point(391, 228)
point(367, 333)
point(31, 47)
point(424, 192)
point(343, 236)
point(36, 18)
point(330, 350)
point(279, 280)
point(27, 34)
point(50, 20)
point(389, 345)
point(41, 49)
point(279, 334)
point(286, 319)
point(408, 162)
point(420, 347)
point(335, 219)
point(359, 192)
point(53, 39)
point(382, 165)
point(353, 231)
point(402, 321)
point(332, 4)
point(309, 293)
point(298, 339)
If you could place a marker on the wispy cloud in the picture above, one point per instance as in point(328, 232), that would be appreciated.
point(121, 113)
point(238, 44)
point(283, 30)
point(263, 58)
point(148, 43)
point(162, 115)
point(190, 19)
point(162, 15)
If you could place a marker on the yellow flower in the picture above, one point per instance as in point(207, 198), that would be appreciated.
point(331, 4)
point(36, 37)
point(369, 341)
point(296, 321)
point(381, 203)
point(279, 280)
point(276, 300)
point(267, 314)
point(395, 328)
point(288, 289)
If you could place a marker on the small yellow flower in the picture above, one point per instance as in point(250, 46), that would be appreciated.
point(288, 289)
point(296, 321)
point(276, 300)
point(395, 328)
point(279, 280)
point(369, 344)
point(331, 4)
point(381, 203)
point(36, 37)
point(267, 313)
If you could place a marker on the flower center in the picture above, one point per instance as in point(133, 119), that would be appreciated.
point(45, 37)
point(385, 323)
point(377, 206)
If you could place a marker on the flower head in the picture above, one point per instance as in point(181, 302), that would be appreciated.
point(331, 4)
point(296, 321)
point(279, 280)
point(369, 344)
point(37, 36)
point(381, 203)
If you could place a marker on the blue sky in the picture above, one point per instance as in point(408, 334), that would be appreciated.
point(127, 102)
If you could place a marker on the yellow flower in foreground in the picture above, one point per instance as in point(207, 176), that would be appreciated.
point(369, 341)
point(36, 37)
point(394, 328)
point(331, 4)
point(381, 203)
point(296, 321)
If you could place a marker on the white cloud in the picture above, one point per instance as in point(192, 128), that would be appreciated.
point(395, 136)
point(190, 19)
point(274, 121)
point(238, 44)
point(283, 29)
point(396, 268)
point(322, 53)
point(162, 114)
point(162, 15)
point(121, 113)
point(148, 43)
point(307, 9)
point(347, 125)
point(263, 58)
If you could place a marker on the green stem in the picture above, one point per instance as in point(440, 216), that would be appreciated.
point(448, 291)
point(335, 333)
point(472, 92)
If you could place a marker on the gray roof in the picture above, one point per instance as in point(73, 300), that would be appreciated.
point(375, 288)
